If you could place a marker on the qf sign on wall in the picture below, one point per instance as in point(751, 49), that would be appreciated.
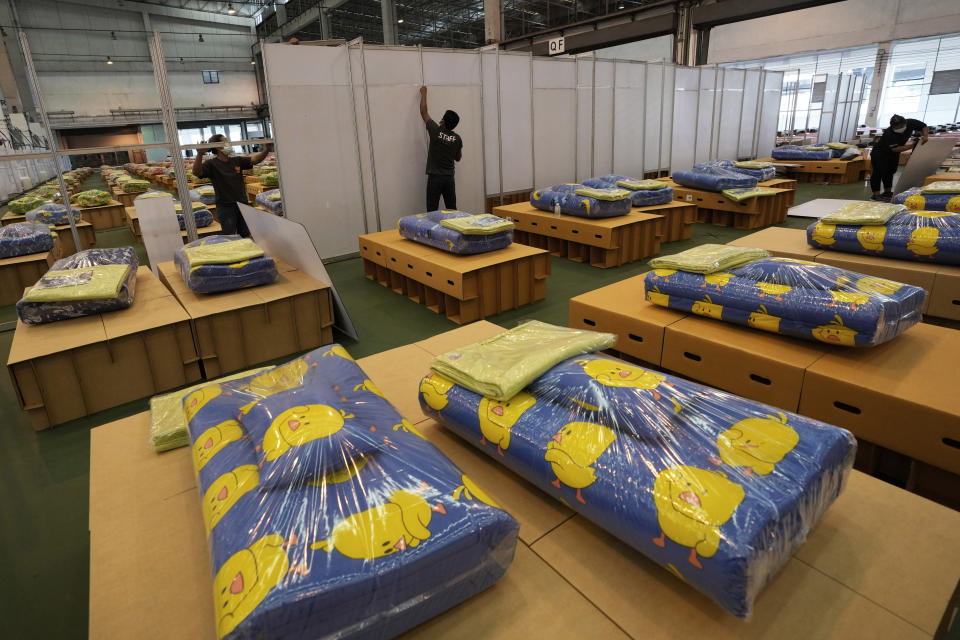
point(555, 46)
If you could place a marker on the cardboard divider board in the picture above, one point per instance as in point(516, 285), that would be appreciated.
point(133, 223)
point(923, 161)
point(159, 228)
point(573, 579)
point(20, 272)
point(107, 216)
point(832, 171)
point(72, 368)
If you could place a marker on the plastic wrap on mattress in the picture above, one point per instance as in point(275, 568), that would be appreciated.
point(20, 206)
point(213, 278)
point(328, 514)
point(91, 198)
point(204, 194)
point(718, 490)
point(638, 197)
point(914, 199)
point(927, 236)
point(710, 178)
point(796, 298)
point(762, 174)
point(426, 228)
point(271, 179)
point(572, 204)
point(792, 152)
point(24, 238)
point(55, 214)
point(202, 218)
point(43, 312)
point(271, 200)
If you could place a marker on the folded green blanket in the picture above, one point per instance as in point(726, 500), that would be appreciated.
point(276, 197)
point(222, 253)
point(87, 283)
point(155, 194)
point(709, 258)
point(168, 425)
point(91, 198)
point(206, 191)
point(482, 224)
point(840, 145)
point(134, 186)
point(739, 195)
point(816, 147)
point(641, 185)
point(500, 367)
point(193, 205)
point(752, 164)
point(611, 195)
point(861, 213)
point(22, 205)
point(269, 179)
point(943, 186)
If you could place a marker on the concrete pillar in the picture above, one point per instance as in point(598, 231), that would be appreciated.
point(281, 14)
point(324, 24)
point(876, 84)
point(492, 21)
point(388, 15)
point(684, 39)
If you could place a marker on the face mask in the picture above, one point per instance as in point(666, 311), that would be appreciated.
point(227, 149)
point(900, 130)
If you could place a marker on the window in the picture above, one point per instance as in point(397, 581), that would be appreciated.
point(211, 77)
point(909, 73)
point(946, 81)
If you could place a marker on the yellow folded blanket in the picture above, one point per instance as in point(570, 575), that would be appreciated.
point(482, 224)
point(739, 195)
point(709, 258)
point(942, 186)
point(223, 253)
point(641, 185)
point(861, 213)
point(87, 283)
point(610, 195)
point(752, 164)
point(840, 145)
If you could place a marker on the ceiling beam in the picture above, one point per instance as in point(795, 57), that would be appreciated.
point(728, 11)
point(173, 12)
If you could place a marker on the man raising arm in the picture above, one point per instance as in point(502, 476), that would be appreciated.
point(225, 172)
point(446, 148)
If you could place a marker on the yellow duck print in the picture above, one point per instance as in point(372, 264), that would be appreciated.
point(198, 399)
point(656, 297)
point(470, 491)
point(760, 319)
point(573, 451)
point(871, 237)
point(706, 307)
point(835, 333)
point(407, 426)
point(434, 390)
point(923, 241)
point(757, 443)
point(213, 440)
point(773, 289)
point(692, 504)
point(338, 476)
point(224, 492)
point(915, 202)
point(664, 273)
point(871, 284)
point(718, 280)
point(497, 418)
point(245, 579)
point(823, 233)
point(611, 373)
point(846, 297)
point(380, 531)
point(283, 378)
point(368, 385)
point(337, 350)
point(933, 214)
point(298, 425)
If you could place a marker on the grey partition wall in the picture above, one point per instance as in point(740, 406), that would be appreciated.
point(554, 120)
point(686, 101)
point(629, 108)
point(603, 117)
point(584, 149)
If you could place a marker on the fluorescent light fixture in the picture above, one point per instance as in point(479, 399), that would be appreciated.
point(109, 61)
point(400, 21)
point(230, 9)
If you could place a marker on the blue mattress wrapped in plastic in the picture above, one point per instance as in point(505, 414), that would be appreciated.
point(793, 152)
point(572, 204)
point(202, 217)
point(225, 276)
point(638, 197)
point(328, 515)
point(55, 214)
point(802, 299)
point(426, 228)
point(43, 312)
point(927, 236)
point(24, 238)
point(914, 199)
point(719, 490)
point(204, 194)
point(271, 200)
point(762, 174)
point(710, 178)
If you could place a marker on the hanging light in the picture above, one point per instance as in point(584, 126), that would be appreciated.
point(201, 37)
point(181, 60)
point(113, 35)
point(253, 62)
point(109, 61)
point(230, 9)
point(400, 21)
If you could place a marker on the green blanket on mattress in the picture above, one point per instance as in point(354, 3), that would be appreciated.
point(500, 367)
point(222, 253)
point(611, 195)
point(864, 213)
point(739, 195)
point(641, 185)
point(943, 186)
point(709, 258)
point(482, 224)
point(87, 283)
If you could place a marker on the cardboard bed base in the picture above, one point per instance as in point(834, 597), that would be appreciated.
point(514, 197)
point(941, 177)
point(570, 578)
point(69, 369)
point(602, 242)
point(782, 183)
point(133, 223)
point(106, 217)
point(875, 392)
point(124, 198)
point(831, 171)
point(20, 272)
point(941, 281)
point(715, 208)
point(465, 288)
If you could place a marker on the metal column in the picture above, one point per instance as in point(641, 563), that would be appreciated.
point(373, 166)
point(356, 138)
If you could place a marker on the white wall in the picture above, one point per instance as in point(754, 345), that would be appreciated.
point(833, 26)
point(90, 93)
point(651, 49)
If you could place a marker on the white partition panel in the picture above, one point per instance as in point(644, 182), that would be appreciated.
point(489, 61)
point(686, 100)
point(843, 92)
point(629, 113)
point(706, 97)
point(769, 113)
point(653, 138)
point(585, 122)
point(666, 118)
point(516, 125)
point(363, 140)
point(453, 79)
point(829, 109)
point(728, 134)
point(749, 113)
point(317, 151)
point(554, 120)
point(603, 115)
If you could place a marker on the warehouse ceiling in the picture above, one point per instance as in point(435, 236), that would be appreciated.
point(242, 8)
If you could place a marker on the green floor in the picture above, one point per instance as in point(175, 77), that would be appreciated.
point(44, 540)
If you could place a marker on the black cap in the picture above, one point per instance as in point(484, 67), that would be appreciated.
point(451, 119)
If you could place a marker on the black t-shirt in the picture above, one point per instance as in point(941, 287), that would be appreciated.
point(445, 148)
point(891, 138)
point(227, 178)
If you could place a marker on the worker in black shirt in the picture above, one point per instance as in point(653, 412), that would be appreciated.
point(446, 147)
point(885, 157)
point(225, 172)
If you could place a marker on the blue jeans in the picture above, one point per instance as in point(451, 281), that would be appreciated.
point(231, 220)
